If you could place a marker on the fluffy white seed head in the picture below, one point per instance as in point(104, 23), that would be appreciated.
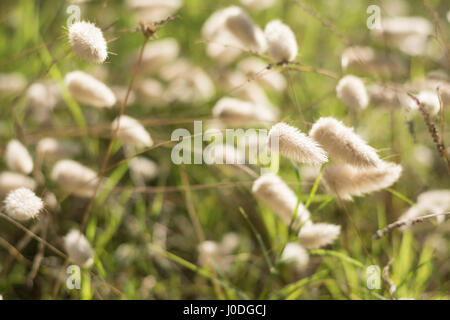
point(159, 53)
point(430, 202)
point(295, 254)
point(78, 248)
point(43, 97)
point(342, 143)
point(295, 145)
point(143, 170)
point(88, 90)
point(88, 42)
point(48, 148)
point(132, 132)
point(281, 42)
point(17, 157)
point(75, 178)
point(22, 204)
point(318, 235)
point(242, 27)
point(211, 253)
point(151, 91)
point(275, 193)
point(430, 101)
point(352, 92)
point(240, 111)
point(346, 181)
point(215, 24)
point(10, 181)
point(230, 242)
point(192, 87)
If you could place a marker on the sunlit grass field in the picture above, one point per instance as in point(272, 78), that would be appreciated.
point(146, 238)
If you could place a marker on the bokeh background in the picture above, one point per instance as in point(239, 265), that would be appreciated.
point(144, 237)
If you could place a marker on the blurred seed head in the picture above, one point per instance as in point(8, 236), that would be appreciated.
point(239, 112)
point(352, 92)
point(159, 53)
point(88, 90)
point(10, 181)
point(242, 27)
point(429, 202)
point(17, 157)
point(143, 170)
point(430, 101)
point(22, 204)
point(75, 178)
point(151, 92)
point(275, 193)
point(296, 255)
point(12, 83)
point(78, 248)
point(132, 132)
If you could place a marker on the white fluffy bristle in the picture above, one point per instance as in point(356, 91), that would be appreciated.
point(17, 157)
point(88, 42)
point(22, 204)
point(88, 90)
point(78, 248)
point(295, 145)
point(132, 132)
point(352, 92)
point(281, 42)
point(318, 235)
point(343, 143)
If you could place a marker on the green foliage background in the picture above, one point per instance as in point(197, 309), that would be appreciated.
point(122, 217)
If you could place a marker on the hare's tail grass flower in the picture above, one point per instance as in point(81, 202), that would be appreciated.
point(317, 235)
point(10, 181)
point(345, 181)
point(88, 90)
point(343, 143)
point(281, 42)
point(237, 111)
point(275, 193)
point(22, 204)
point(88, 42)
point(352, 92)
point(132, 132)
point(75, 178)
point(295, 254)
point(17, 157)
point(78, 248)
point(433, 201)
point(295, 145)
